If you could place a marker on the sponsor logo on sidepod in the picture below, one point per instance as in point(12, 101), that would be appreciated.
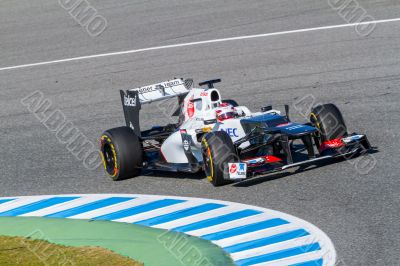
point(232, 132)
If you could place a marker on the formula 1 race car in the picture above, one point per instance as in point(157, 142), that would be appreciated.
point(227, 141)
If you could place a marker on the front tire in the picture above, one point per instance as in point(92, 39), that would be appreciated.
point(218, 150)
point(121, 152)
point(329, 121)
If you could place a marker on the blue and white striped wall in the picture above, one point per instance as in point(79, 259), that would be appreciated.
point(252, 235)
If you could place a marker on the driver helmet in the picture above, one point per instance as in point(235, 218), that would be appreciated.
point(225, 111)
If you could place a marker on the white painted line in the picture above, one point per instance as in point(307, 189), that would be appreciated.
point(306, 240)
point(60, 207)
point(80, 58)
point(21, 201)
point(309, 256)
point(196, 218)
point(158, 212)
point(232, 224)
point(255, 235)
point(113, 208)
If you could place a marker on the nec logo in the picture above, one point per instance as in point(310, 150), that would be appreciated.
point(232, 132)
point(128, 101)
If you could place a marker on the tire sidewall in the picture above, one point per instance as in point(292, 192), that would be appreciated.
point(329, 121)
point(128, 152)
point(219, 149)
point(106, 139)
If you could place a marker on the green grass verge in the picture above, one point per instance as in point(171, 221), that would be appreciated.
point(29, 252)
point(152, 246)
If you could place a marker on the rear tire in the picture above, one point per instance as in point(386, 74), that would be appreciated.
point(121, 152)
point(218, 150)
point(329, 121)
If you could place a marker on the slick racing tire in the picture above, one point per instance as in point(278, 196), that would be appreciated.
point(122, 153)
point(217, 150)
point(329, 121)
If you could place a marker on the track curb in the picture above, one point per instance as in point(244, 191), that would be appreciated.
point(251, 235)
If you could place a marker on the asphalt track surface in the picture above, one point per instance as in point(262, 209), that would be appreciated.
point(360, 212)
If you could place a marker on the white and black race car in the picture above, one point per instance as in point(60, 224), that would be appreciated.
point(227, 141)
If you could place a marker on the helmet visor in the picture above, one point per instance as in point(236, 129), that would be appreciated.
point(227, 115)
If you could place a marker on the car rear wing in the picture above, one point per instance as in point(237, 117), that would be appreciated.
point(163, 90)
point(133, 99)
point(131, 106)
